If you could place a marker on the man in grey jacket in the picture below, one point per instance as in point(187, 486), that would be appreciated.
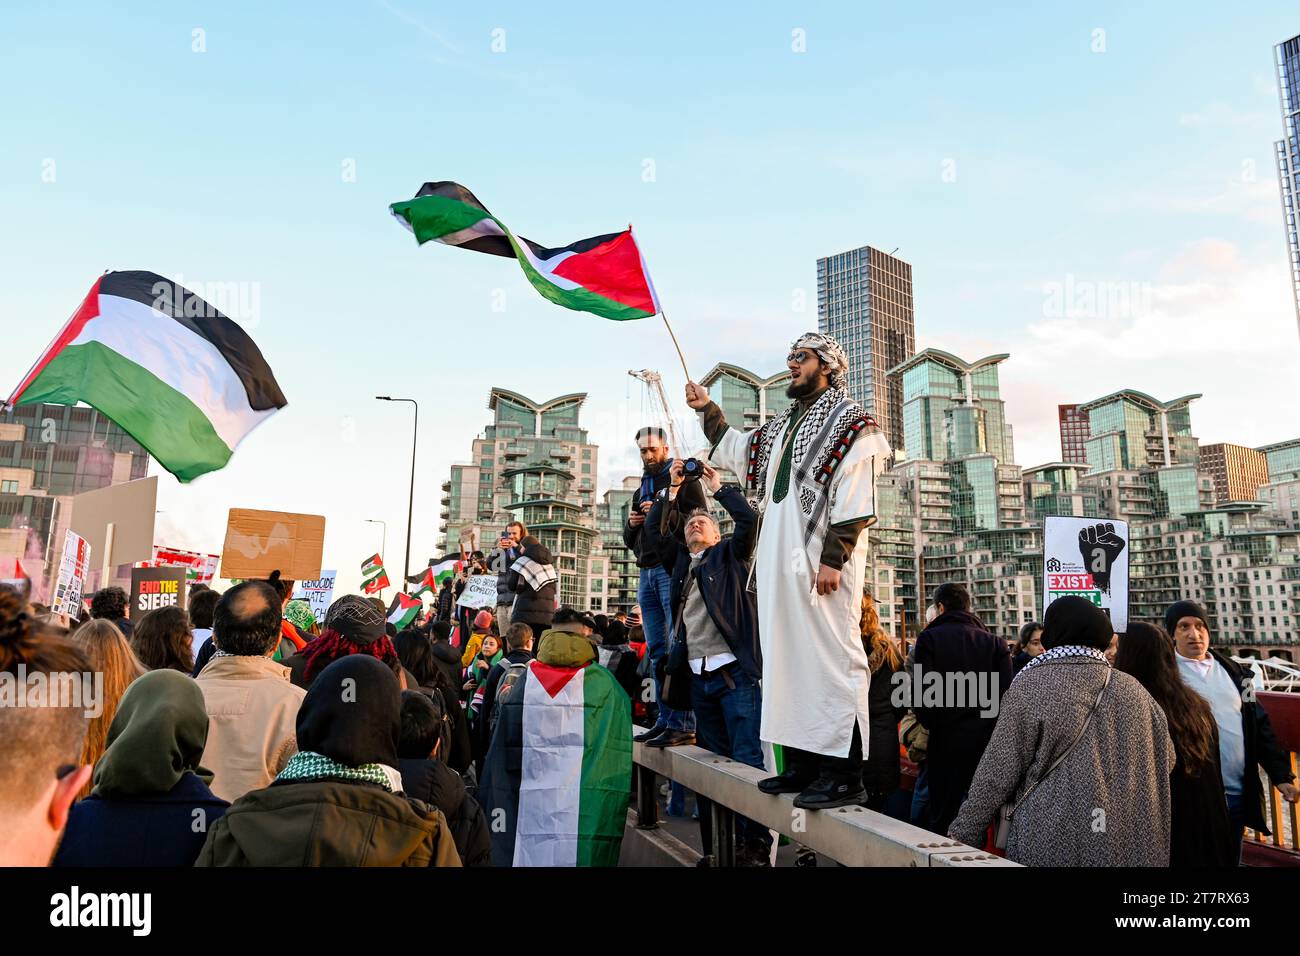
point(499, 561)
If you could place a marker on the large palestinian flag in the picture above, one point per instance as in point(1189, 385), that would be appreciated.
point(605, 275)
point(560, 766)
point(184, 380)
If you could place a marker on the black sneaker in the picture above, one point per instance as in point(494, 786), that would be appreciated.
point(827, 793)
point(789, 782)
point(672, 738)
point(649, 735)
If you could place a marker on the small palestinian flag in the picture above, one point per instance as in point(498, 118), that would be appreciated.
point(182, 379)
point(560, 765)
point(605, 275)
point(373, 576)
point(402, 612)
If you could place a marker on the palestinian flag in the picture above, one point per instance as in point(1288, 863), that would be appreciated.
point(373, 576)
point(184, 380)
point(402, 612)
point(560, 766)
point(605, 275)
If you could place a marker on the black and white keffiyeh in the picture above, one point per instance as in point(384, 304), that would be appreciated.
point(823, 437)
point(537, 575)
point(1056, 653)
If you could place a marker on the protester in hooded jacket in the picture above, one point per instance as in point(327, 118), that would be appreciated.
point(339, 802)
point(533, 580)
point(484, 623)
point(426, 728)
point(352, 626)
point(418, 656)
point(150, 789)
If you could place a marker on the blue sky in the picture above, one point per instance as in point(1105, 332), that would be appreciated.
point(1001, 152)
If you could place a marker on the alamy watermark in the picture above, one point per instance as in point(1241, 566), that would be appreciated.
point(959, 690)
point(83, 690)
point(239, 301)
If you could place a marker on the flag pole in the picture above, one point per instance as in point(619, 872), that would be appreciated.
point(680, 357)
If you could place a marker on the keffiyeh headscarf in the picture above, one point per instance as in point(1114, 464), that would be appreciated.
point(823, 437)
point(829, 351)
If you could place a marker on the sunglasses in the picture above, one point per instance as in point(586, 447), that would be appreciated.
point(800, 356)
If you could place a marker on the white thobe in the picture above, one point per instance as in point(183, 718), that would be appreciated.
point(815, 671)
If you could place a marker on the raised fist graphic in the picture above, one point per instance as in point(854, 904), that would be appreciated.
point(1100, 546)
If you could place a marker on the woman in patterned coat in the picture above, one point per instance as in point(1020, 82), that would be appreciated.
point(1107, 803)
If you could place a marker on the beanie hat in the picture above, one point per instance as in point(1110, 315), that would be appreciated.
point(634, 616)
point(356, 619)
point(484, 620)
point(1181, 609)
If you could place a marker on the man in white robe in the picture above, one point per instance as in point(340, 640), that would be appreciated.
point(811, 473)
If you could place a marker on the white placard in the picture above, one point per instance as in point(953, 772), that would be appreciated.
point(73, 569)
point(1087, 557)
point(480, 591)
point(318, 593)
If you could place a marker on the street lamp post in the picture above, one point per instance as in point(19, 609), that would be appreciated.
point(410, 506)
point(383, 544)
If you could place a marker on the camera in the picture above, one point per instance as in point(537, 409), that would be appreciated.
point(692, 469)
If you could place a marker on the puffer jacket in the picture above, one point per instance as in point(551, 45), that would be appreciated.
point(329, 823)
point(439, 786)
point(534, 608)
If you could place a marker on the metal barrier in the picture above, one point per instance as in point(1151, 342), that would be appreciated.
point(853, 836)
point(1283, 847)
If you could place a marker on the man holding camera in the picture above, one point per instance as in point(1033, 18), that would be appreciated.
point(653, 590)
point(812, 472)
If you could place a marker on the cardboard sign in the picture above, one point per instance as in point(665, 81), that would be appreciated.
point(152, 588)
point(319, 593)
point(480, 591)
point(259, 542)
point(1087, 557)
point(129, 508)
point(73, 568)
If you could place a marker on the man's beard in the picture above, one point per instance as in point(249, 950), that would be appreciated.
point(805, 388)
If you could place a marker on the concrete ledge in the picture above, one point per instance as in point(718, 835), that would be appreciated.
point(854, 836)
point(653, 847)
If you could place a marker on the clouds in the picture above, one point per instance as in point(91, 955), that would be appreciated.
point(1215, 320)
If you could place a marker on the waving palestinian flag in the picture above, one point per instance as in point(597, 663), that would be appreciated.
point(373, 576)
point(181, 378)
point(605, 275)
point(560, 766)
point(403, 611)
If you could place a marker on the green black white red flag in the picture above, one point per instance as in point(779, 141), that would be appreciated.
point(181, 378)
point(403, 611)
point(373, 576)
point(605, 275)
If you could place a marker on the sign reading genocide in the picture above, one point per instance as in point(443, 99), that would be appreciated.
point(480, 591)
point(318, 593)
point(1087, 557)
point(152, 588)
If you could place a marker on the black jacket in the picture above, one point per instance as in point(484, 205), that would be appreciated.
point(722, 576)
point(881, 770)
point(534, 608)
point(500, 561)
point(956, 642)
point(484, 726)
point(633, 539)
point(156, 829)
point(1262, 748)
point(439, 786)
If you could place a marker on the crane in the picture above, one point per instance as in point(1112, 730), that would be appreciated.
point(654, 382)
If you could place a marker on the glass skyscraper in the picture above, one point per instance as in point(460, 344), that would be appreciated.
point(1286, 57)
point(952, 408)
point(1130, 429)
point(864, 299)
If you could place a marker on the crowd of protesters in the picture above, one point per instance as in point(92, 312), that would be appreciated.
point(241, 731)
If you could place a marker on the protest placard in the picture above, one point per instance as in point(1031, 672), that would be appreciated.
point(152, 588)
point(1087, 557)
point(480, 591)
point(73, 568)
point(318, 592)
point(259, 542)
